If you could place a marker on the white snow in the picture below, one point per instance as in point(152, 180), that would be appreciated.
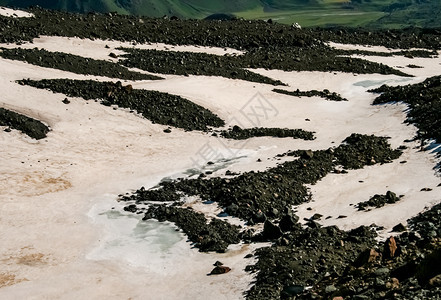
point(8, 12)
point(62, 239)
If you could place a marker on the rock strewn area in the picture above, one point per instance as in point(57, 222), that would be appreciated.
point(405, 53)
point(73, 63)
point(424, 100)
point(408, 38)
point(404, 267)
point(271, 46)
point(259, 196)
point(313, 58)
point(31, 127)
point(378, 201)
point(162, 108)
point(238, 133)
point(327, 263)
point(304, 258)
point(237, 34)
point(215, 235)
point(187, 63)
point(326, 94)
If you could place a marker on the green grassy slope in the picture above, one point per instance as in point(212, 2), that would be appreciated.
point(374, 13)
point(422, 13)
point(81, 6)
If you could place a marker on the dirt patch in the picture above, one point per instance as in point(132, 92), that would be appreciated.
point(31, 259)
point(33, 184)
point(7, 279)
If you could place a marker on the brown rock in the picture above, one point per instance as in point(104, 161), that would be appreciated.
point(338, 298)
point(220, 270)
point(390, 247)
point(435, 281)
point(393, 284)
point(367, 256)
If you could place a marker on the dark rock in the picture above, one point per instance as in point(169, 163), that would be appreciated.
point(313, 224)
point(423, 99)
point(435, 281)
point(259, 217)
point(367, 257)
point(271, 231)
point(220, 270)
point(307, 154)
point(378, 201)
point(158, 107)
point(323, 94)
point(131, 208)
point(288, 223)
point(216, 235)
point(292, 290)
point(429, 267)
point(399, 228)
point(218, 264)
point(73, 63)
point(66, 101)
point(240, 134)
point(316, 217)
point(29, 126)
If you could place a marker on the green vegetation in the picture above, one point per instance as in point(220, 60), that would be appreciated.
point(370, 13)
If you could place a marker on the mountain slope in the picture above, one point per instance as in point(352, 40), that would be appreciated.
point(373, 13)
point(422, 13)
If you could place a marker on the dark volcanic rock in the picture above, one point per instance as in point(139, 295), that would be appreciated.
point(220, 270)
point(33, 128)
point(399, 228)
point(309, 255)
point(238, 133)
point(185, 63)
point(271, 231)
point(253, 193)
point(326, 94)
point(272, 46)
point(162, 108)
point(368, 151)
point(424, 100)
point(73, 63)
point(214, 236)
point(368, 256)
point(378, 201)
point(288, 223)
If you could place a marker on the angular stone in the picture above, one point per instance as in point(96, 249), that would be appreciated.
point(292, 290)
point(220, 270)
point(330, 289)
point(390, 247)
point(367, 256)
point(399, 228)
point(435, 281)
point(271, 231)
point(287, 223)
point(382, 271)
